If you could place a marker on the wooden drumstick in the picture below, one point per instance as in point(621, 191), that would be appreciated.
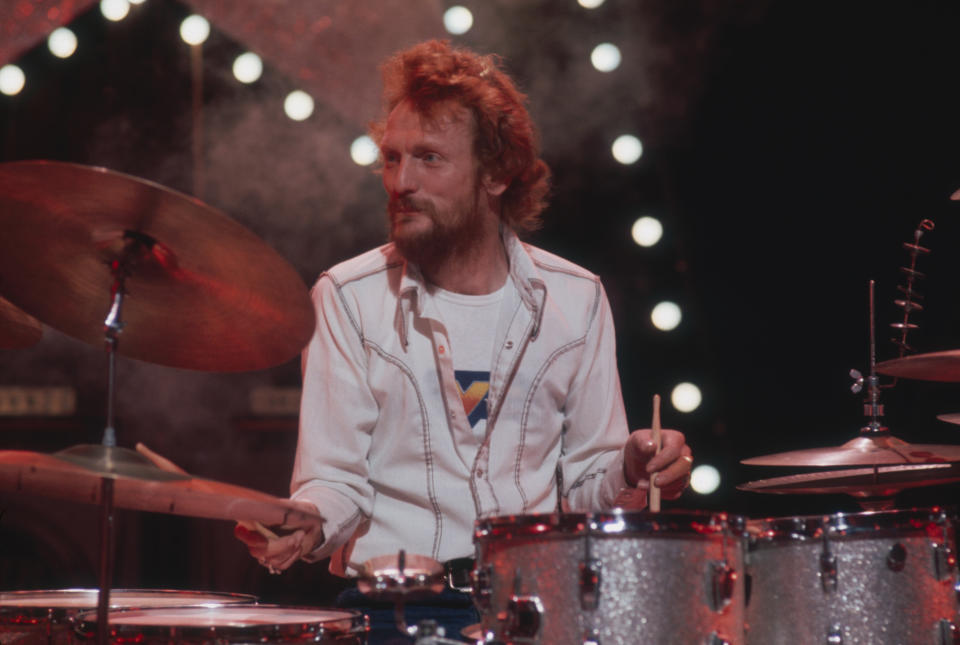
point(655, 425)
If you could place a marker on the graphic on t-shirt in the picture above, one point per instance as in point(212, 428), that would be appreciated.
point(473, 387)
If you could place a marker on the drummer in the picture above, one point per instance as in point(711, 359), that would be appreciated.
point(456, 372)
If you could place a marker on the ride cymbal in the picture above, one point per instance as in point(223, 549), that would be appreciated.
point(862, 451)
point(935, 366)
point(883, 481)
point(202, 292)
point(18, 329)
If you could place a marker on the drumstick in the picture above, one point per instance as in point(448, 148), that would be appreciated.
point(254, 525)
point(655, 425)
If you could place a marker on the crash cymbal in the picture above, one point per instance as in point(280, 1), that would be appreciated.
point(203, 292)
point(18, 329)
point(862, 451)
point(953, 418)
point(136, 488)
point(882, 481)
point(935, 366)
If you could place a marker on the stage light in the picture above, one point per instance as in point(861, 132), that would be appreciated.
point(12, 79)
point(705, 479)
point(114, 10)
point(457, 20)
point(590, 4)
point(646, 231)
point(686, 397)
point(62, 42)
point(627, 149)
point(364, 151)
point(136, 1)
point(666, 316)
point(194, 29)
point(605, 57)
point(247, 67)
point(298, 105)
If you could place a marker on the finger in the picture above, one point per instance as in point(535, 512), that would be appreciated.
point(673, 446)
point(674, 472)
point(159, 461)
point(295, 554)
point(256, 543)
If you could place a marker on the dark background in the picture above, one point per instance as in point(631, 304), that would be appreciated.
point(789, 149)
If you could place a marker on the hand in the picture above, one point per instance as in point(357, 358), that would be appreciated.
point(670, 470)
point(276, 552)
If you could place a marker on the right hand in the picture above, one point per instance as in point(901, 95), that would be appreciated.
point(276, 552)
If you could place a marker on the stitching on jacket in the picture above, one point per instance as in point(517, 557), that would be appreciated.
point(580, 482)
point(427, 452)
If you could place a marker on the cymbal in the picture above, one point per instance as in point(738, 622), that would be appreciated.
point(203, 292)
point(862, 451)
point(136, 488)
point(882, 481)
point(935, 366)
point(18, 329)
point(953, 417)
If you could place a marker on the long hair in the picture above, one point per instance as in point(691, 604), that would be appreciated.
point(505, 139)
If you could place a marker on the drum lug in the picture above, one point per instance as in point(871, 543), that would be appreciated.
point(723, 584)
point(482, 591)
point(944, 561)
point(835, 635)
point(522, 619)
point(897, 557)
point(949, 634)
point(828, 572)
point(716, 639)
point(590, 579)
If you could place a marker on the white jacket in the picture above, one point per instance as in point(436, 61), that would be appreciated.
point(380, 413)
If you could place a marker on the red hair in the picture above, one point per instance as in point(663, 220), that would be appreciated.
point(505, 139)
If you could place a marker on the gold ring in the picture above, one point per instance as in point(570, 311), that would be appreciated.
point(687, 458)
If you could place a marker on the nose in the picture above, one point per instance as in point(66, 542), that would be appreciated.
point(401, 179)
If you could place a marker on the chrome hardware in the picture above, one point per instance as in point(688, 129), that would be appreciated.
point(592, 637)
point(522, 619)
point(482, 591)
point(828, 569)
point(911, 299)
point(723, 583)
point(944, 561)
point(716, 639)
point(835, 635)
point(857, 377)
point(949, 633)
point(897, 557)
point(590, 579)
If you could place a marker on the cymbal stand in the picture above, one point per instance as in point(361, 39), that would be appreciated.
point(113, 327)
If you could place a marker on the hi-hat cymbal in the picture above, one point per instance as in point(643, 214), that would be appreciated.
point(18, 329)
point(141, 487)
point(935, 366)
point(953, 417)
point(203, 292)
point(883, 481)
point(862, 451)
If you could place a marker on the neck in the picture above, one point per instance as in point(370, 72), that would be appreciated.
point(479, 269)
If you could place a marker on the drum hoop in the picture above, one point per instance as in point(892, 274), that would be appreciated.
point(848, 525)
point(351, 622)
point(55, 612)
point(612, 524)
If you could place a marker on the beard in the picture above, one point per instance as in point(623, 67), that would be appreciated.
point(450, 232)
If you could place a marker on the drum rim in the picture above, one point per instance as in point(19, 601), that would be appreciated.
point(352, 622)
point(847, 525)
point(612, 523)
point(52, 610)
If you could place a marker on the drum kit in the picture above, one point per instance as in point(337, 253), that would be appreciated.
point(161, 277)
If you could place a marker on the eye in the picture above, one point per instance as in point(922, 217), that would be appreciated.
point(431, 157)
point(389, 157)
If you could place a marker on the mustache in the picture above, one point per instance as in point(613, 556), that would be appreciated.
point(407, 204)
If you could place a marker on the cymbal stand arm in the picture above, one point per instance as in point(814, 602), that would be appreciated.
point(872, 407)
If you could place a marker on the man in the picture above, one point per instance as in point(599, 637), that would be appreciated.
point(457, 373)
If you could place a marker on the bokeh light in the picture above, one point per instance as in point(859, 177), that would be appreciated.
point(364, 151)
point(605, 57)
point(12, 79)
point(686, 397)
point(627, 149)
point(194, 29)
point(705, 479)
point(646, 231)
point(457, 20)
point(114, 10)
point(62, 42)
point(298, 105)
point(247, 67)
point(666, 316)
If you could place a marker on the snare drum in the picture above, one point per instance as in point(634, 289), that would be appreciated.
point(229, 624)
point(33, 617)
point(887, 577)
point(611, 578)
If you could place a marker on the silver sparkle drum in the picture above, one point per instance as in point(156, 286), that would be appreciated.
point(674, 577)
point(229, 624)
point(877, 578)
point(44, 616)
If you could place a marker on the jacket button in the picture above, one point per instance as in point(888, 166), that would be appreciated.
point(509, 344)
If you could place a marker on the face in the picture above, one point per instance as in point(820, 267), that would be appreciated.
point(430, 175)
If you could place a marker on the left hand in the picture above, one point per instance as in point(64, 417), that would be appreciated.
point(670, 470)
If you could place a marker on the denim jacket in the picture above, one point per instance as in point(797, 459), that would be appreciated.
point(381, 417)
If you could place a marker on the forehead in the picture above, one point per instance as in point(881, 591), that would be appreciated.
point(446, 121)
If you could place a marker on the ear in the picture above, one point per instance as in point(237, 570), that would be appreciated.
point(493, 187)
